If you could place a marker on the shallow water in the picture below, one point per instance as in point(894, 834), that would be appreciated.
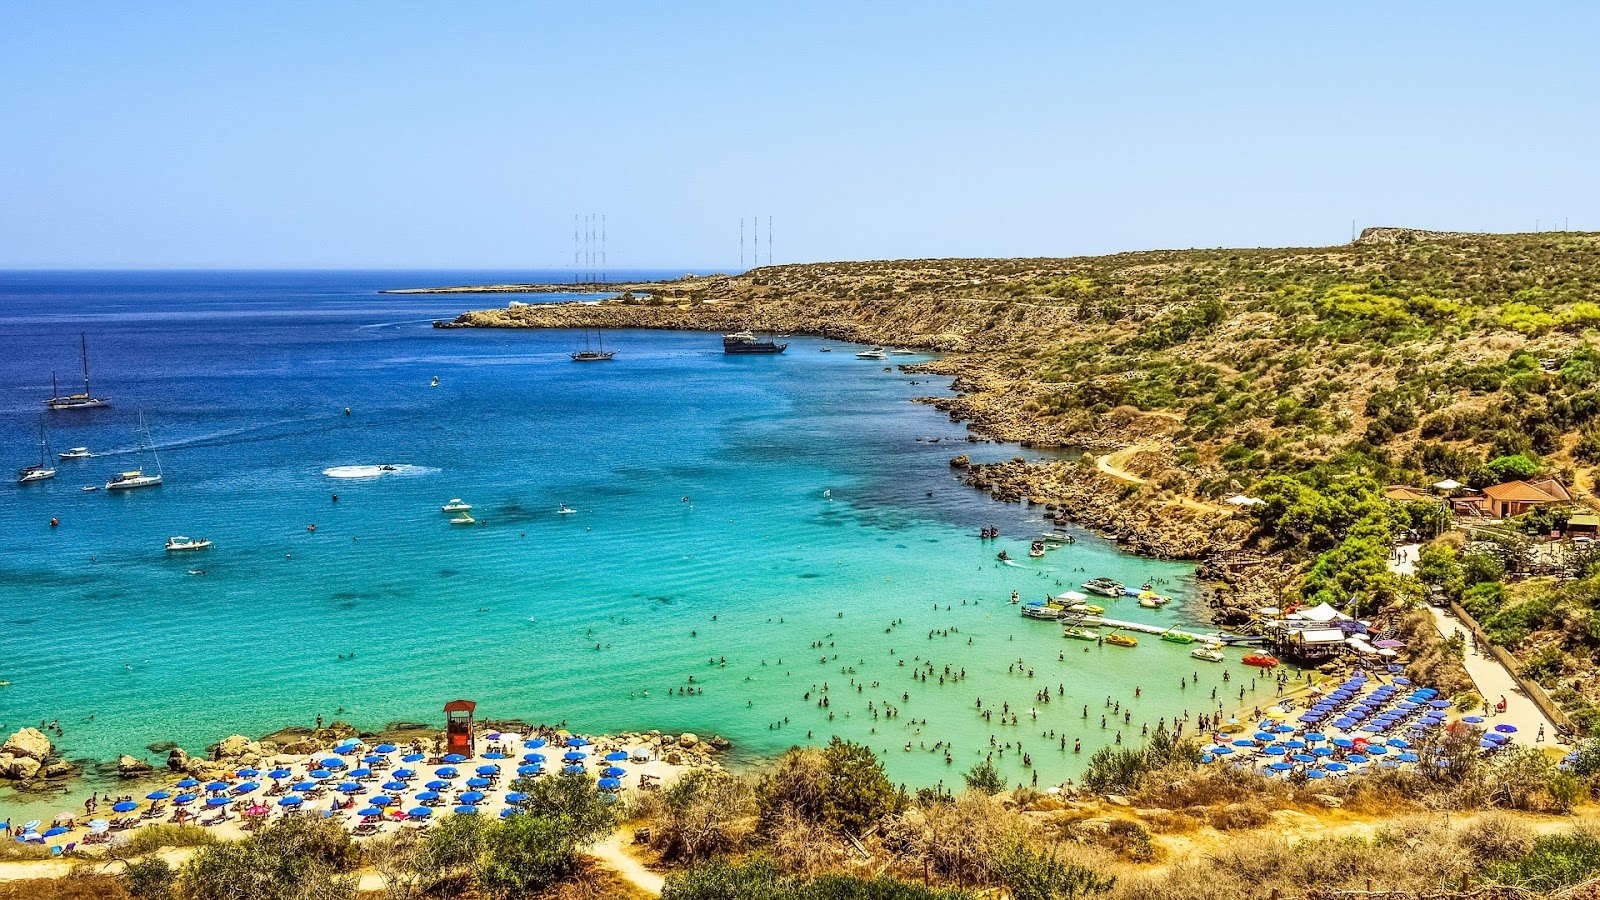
point(736, 508)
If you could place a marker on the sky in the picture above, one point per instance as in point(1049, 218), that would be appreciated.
point(463, 135)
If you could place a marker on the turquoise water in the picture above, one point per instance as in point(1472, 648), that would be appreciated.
point(819, 509)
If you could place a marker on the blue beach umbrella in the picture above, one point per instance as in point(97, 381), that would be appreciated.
point(385, 748)
point(371, 811)
point(577, 742)
point(488, 770)
point(529, 770)
point(1402, 681)
point(319, 774)
point(304, 786)
point(1303, 758)
point(466, 810)
point(421, 812)
point(380, 800)
point(1343, 742)
point(1207, 758)
point(1316, 736)
point(437, 785)
point(533, 757)
point(508, 812)
point(1280, 766)
point(291, 800)
point(1275, 750)
point(1295, 744)
point(516, 797)
point(495, 755)
point(217, 786)
point(333, 762)
point(1355, 759)
point(372, 759)
point(1402, 743)
point(412, 758)
point(247, 787)
point(1317, 773)
point(477, 782)
point(1222, 751)
point(1323, 751)
point(446, 772)
point(360, 773)
point(455, 758)
point(615, 772)
point(572, 770)
point(1408, 757)
point(608, 784)
point(127, 806)
point(1376, 750)
point(1311, 718)
point(1241, 742)
point(1345, 723)
point(249, 773)
point(1372, 729)
point(394, 786)
point(1335, 766)
point(405, 773)
point(348, 787)
point(428, 795)
point(534, 744)
point(52, 832)
point(275, 774)
point(158, 795)
point(1262, 736)
point(188, 783)
point(1488, 745)
point(1506, 729)
point(1473, 720)
point(183, 800)
point(616, 756)
point(1439, 704)
point(471, 796)
point(216, 801)
point(574, 755)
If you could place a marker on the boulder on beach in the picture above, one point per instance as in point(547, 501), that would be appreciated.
point(720, 743)
point(177, 759)
point(58, 769)
point(688, 739)
point(235, 746)
point(18, 767)
point(29, 743)
point(132, 767)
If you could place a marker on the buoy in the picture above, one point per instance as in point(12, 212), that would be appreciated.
point(54, 522)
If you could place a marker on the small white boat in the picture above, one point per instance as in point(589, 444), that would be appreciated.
point(455, 505)
point(1103, 586)
point(76, 453)
point(902, 352)
point(90, 487)
point(183, 542)
point(1035, 609)
point(1036, 550)
point(128, 480)
point(565, 509)
point(435, 381)
point(1056, 537)
point(874, 353)
point(1209, 654)
point(463, 519)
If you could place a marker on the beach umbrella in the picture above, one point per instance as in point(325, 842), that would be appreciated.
point(394, 786)
point(488, 770)
point(246, 788)
point(360, 773)
point(572, 770)
point(471, 796)
point(495, 755)
point(615, 772)
point(348, 787)
point(188, 783)
point(1377, 750)
point(609, 784)
point(1408, 705)
point(1303, 758)
point(574, 755)
point(218, 801)
point(372, 759)
point(183, 800)
point(1402, 743)
point(1488, 745)
point(1355, 759)
point(1345, 723)
point(516, 797)
point(1275, 750)
point(1263, 736)
point(275, 774)
point(1317, 773)
point(1222, 751)
point(158, 795)
point(1402, 681)
point(533, 757)
point(55, 831)
point(446, 772)
point(455, 758)
point(617, 756)
point(1315, 736)
point(304, 786)
point(437, 785)
point(1473, 720)
point(405, 773)
point(1336, 766)
point(319, 774)
point(477, 782)
point(1372, 729)
point(332, 762)
point(1280, 766)
point(1311, 718)
point(576, 741)
point(1506, 729)
point(1343, 742)
point(1322, 751)
point(534, 744)
point(1439, 704)
point(385, 748)
point(421, 812)
point(1494, 738)
point(1295, 744)
point(466, 810)
point(249, 773)
point(529, 770)
point(291, 800)
point(371, 811)
point(428, 795)
point(1207, 758)
point(1408, 757)
point(124, 806)
point(1241, 742)
point(380, 800)
point(412, 758)
point(217, 786)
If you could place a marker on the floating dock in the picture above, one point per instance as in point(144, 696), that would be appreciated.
point(1142, 628)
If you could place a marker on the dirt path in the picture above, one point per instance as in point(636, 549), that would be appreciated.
point(615, 856)
point(1111, 465)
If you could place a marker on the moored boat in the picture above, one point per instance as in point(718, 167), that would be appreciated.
point(1089, 608)
point(463, 519)
point(1104, 587)
point(874, 353)
point(1209, 654)
point(183, 542)
point(42, 471)
point(137, 478)
point(85, 400)
point(587, 354)
point(1177, 637)
point(456, 505)
point(745, 342)
point(1036, 550)
point(1261, 660)
point(1057, 537)
point(1037, 609)
point(75, 453)
point(1122, 640)
point(1082, 634)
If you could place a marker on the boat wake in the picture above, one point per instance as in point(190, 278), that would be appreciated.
point(376, 471)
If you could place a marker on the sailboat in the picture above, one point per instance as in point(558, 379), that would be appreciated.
point(588, 355)
point(85, 400)
point(137, 478)
point(43, 470)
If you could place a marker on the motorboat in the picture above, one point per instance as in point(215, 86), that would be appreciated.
point(182, 542)
point(1177, 637)
point(902, 353)
point(745, 342)
point(874, 353)
point(1057, 538)
point(456, 505)
point(1037, 609)
point(1086, 608)
point(1122, 640)
point(75, 453)
point(1209, 654)
point(1261, 660)
point(1082, 634)
point(1003, 556)
point(463, 519)
point(90, 487)
point(1036, 550)
point(85, 400)
point(565, 510)
point(1104, 587)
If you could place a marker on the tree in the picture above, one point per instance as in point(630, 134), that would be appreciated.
point(1512, 467)
point(524, 854)
point(984, 779)
point(572, 799)
point(291, 858)
point(858, 792)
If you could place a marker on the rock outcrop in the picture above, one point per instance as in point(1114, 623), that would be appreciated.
point(30, 743)
point(133, 767)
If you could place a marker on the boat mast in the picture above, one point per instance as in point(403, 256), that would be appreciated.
point(84, 338)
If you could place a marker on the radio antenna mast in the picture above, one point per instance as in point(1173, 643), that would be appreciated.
point(741, 243)
point(769, 240)
point(603, 248)
point(575, 254)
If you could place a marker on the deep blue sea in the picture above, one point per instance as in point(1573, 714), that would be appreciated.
point(763, 531)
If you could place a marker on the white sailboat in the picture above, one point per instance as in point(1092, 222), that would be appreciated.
point(137, 478)
point(43, 471)
point(85, 400)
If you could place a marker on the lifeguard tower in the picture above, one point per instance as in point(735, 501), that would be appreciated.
point(458, 727)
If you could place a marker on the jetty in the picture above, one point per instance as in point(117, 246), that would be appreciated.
point(1136, 626)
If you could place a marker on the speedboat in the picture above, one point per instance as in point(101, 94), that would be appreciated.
point(1036, 609)
point(435, 381)
point(1104, 587)
point(128, 480)
point(181, 542)
point(902, 352)
point(564, 510)
point(1154, 599)
point(1209, 654)
point(90, 487)
point(76, 453)
point(1056, 537)
point(456, 505)
point(463, 519)
point(1036, 550)
point(874, 353)
point(1083, 634)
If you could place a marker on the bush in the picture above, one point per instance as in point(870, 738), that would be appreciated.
point(573, 800)
point(1032, 875)
point(842, 786)
point(158, 836)
point(984, 779)
point(703, 813)
point(150, 879)
point(1123, 769)
point(291, 857)
point(1552, 863)
point(759, 879)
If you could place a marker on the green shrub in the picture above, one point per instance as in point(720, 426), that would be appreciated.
point(150, 879)
point(760, 879)
point(984, 779)
point(1032, 875)
point(160, 835)
point(1554, 862)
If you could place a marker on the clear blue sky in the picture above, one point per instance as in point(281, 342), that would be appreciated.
point(390, 134)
